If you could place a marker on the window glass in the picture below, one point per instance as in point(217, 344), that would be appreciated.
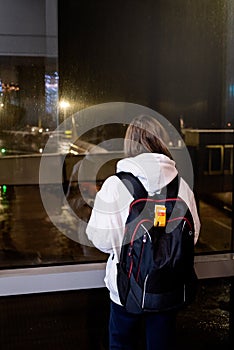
point(29, 114)
point(58, 61)
point(177, 59)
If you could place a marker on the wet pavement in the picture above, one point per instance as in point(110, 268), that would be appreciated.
point(79, 319)
point(206, 323)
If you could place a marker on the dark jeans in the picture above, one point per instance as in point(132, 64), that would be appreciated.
point(127, 330)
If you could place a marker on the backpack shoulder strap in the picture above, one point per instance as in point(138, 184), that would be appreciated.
point(133, 184)
point(137, 190)
point(172, 189)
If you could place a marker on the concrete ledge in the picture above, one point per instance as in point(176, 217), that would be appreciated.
point(88, 276)
point(49, 279)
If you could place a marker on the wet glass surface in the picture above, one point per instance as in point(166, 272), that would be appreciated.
point(216, 227)
point(179, 63)
point(29, 238)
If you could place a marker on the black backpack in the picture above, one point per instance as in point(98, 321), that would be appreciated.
point(156, 268)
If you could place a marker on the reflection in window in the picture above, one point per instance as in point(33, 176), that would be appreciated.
point(173, 62)
point(228, 159)
point(51, 95)
point(219, 159)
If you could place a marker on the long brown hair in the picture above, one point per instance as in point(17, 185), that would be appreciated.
point(144, 135)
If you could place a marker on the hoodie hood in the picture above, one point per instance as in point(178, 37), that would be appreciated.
point(154, 170)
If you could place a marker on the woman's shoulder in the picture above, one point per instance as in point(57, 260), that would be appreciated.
point(113, 188)
point(111, 182)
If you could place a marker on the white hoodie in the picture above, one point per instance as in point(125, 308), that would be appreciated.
point(107, 222)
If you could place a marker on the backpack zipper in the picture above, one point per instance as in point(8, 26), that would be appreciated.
point(182, 218)
point(144, 240)
point(161, 201)
point(136, 228)
point(143, 295)
point(146, 231)
point(131, 244)
point(155, 200)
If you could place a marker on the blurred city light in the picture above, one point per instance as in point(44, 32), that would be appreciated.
point(64, 104)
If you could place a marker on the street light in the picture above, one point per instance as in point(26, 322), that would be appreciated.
point(64, 105)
